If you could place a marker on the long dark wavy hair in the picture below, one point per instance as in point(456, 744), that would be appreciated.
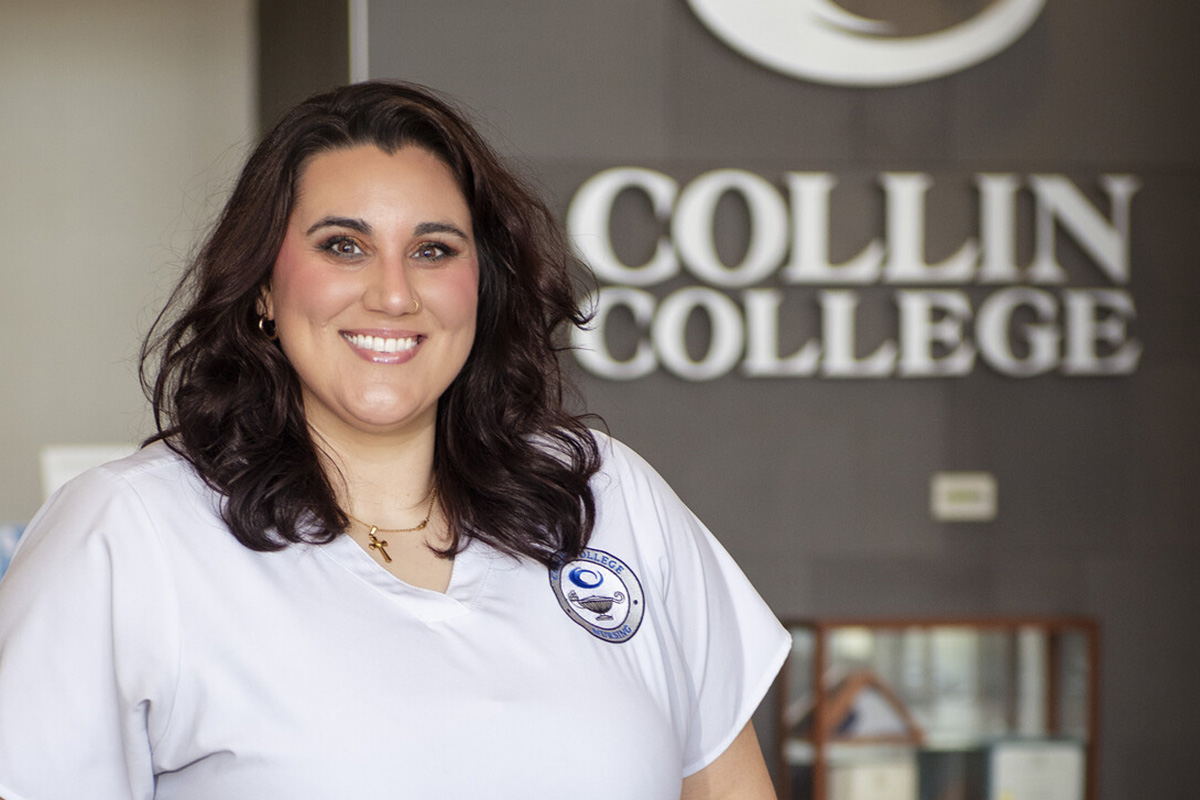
point(511, 464)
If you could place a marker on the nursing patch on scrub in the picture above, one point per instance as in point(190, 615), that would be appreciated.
point(601, 594)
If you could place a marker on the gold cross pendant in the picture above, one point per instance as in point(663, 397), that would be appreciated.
point(379, 544)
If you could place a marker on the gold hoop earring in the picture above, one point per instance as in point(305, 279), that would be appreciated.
point(271, 332)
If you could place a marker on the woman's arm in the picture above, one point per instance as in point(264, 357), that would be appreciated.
point(88, 645)
point(738, 774)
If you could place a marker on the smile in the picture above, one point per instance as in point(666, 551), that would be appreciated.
point(381, 344)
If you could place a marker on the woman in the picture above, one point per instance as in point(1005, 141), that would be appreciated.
point(368, 553)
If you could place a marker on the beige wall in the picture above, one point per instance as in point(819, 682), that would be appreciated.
point(121, 123)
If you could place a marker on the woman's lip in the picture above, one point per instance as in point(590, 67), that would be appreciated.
point(383, 347)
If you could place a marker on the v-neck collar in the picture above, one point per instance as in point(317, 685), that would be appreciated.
point(468, 576)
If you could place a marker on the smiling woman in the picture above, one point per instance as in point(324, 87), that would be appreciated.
point(377, 211)
point(369, 552)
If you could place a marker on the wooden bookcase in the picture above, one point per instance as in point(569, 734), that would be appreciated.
point(970, 708)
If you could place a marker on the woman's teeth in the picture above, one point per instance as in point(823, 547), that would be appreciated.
point(379, 344)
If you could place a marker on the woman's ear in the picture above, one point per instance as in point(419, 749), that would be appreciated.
point(265, 305)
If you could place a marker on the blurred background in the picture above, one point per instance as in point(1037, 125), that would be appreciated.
point(806, 415)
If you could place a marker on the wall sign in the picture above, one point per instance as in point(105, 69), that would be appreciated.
point(979, 305)
point(818, 40)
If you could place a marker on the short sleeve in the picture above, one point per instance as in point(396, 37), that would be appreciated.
point(731, 641)
point(86, 649)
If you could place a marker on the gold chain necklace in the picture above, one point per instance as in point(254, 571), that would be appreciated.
point(381, 544)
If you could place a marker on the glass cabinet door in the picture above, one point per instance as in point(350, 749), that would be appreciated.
point(938, 710)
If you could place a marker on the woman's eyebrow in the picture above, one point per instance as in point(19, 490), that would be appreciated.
point(357, 225)
point(438, 227)
point(363, 227)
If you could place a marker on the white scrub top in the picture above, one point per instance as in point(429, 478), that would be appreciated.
point(145, 653)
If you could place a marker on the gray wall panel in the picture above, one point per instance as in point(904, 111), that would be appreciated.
point(547, 75)
point(820, 487)
point(1111, 84)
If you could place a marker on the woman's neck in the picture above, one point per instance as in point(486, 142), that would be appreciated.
point(383, 480)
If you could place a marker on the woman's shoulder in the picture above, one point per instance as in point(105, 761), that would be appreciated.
point(155, 461)
point(147, 473)
point(635, 502)
point(124, 495)
point(622, 465)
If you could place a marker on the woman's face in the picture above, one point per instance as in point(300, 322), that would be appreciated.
point(375, 289)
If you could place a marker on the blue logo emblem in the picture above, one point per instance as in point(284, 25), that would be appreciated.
point(601, 594)
point(586, 578)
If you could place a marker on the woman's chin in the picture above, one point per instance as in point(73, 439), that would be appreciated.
point(394, 420)
point(370, 420)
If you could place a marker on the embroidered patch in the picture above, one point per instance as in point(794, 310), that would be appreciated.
point(601, 594)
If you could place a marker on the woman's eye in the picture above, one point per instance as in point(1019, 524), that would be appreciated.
point(433, 251)
point(343, 246)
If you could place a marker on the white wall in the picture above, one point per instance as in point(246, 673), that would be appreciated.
point(121, 124)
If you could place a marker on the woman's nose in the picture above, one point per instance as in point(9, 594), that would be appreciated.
point(390, 289)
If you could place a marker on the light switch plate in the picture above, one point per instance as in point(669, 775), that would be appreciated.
point(963, 496)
